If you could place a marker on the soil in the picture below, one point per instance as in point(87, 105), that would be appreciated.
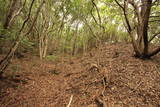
point(107, 76)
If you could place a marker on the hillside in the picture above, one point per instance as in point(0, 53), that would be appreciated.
point(107, 76)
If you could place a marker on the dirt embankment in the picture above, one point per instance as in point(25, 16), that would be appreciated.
point(108, 76)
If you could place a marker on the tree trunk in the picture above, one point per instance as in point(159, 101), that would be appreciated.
point(43, 46)
point(142, 29)
point(5, 61)
point(75, 40)
point(139, 30)
point(10, 14)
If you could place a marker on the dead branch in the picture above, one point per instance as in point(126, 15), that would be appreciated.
point(70, 101)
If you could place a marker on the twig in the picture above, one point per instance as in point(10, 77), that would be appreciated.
point(71, 98)
point(101, 102)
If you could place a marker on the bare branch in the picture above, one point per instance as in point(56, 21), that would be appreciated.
point(18, 12)
point(154, 36)
point(119, 5)
point(155, 20)
point(154, 16)
point(6, 60)
point(28, 16)
point(35, 18)
point(129, 29)
point(94, 4)
point(93, 15)
point(156, 51)
point(10, 14)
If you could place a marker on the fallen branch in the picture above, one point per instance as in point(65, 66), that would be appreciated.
point(71, 98)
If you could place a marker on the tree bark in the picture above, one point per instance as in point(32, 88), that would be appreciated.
point(10, 14)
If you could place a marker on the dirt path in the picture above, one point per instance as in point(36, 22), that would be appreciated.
point(106, 76)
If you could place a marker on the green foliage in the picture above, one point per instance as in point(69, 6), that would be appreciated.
point(15, 68)
point(52, 58)
point(27, 43)
point(3, 10)
point(58, 19)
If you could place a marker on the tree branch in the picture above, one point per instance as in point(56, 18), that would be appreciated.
point(154, 36)
point(6, 60)
point(94, 4)
point(155, 20)
point(119, 5)
point(10, 14)
point(28, 16)
point(18, 12)
point(35, 18)
point(129, 29)
point(93, 16)
point(156, 51)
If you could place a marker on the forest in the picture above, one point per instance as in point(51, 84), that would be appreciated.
point(79, 53)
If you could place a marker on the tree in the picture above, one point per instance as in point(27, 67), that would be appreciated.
point(14, 10)
point(6, 60)
point(137, 25)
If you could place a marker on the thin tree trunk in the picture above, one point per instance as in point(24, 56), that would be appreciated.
point(75, 40)
point(45, 47)
point(10, 14)
point(5, 62)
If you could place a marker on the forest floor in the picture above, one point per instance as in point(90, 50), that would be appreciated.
point(104, 77)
